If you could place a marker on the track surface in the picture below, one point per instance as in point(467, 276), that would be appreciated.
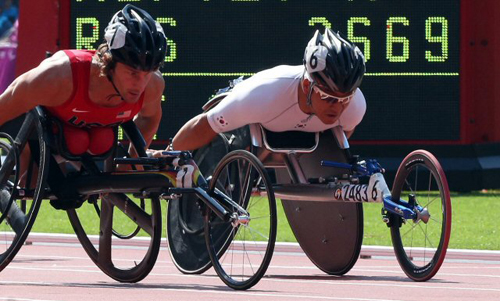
point(57, 268)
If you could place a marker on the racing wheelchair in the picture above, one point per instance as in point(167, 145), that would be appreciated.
point(322, 187)
point(234, 222)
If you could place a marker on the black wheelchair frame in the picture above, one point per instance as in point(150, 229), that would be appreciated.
point(225, 203)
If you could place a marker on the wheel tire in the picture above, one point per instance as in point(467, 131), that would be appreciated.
point(15, 226)
point(102, 255)
point(185, 224)
point(421, 247)
point(241, 253)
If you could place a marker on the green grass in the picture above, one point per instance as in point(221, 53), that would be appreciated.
point(50, 220)
point(474, 224)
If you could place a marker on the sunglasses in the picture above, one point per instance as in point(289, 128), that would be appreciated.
point(333, 99)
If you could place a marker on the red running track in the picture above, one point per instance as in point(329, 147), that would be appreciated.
point(57, 268)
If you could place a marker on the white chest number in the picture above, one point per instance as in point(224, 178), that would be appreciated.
point(357, 193)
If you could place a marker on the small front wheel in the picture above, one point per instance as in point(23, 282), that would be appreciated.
point(420, 245)
point(241, 249)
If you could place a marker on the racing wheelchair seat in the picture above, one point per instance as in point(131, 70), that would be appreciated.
point(285, 142)
point(59, 144)
point(56, 139)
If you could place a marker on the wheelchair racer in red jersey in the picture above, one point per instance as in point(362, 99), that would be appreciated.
point(92, 91)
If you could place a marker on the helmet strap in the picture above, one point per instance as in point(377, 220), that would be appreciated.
point(309, 93)
point(110, 78)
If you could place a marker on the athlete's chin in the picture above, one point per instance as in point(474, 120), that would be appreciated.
point(329, 119)
point(131, 98)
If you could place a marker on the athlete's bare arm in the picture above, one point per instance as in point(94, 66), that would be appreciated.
point(49, 84)
point(196, 133)
point(149, 117)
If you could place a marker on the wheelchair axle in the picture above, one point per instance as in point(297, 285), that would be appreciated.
point(237, 220)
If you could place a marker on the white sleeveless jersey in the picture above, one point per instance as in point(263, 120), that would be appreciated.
point(270, 98)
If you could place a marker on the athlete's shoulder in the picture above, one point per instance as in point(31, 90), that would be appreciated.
point(355, 111)
point(156, 85)
point(359, 100)
point(50, 82)
point(157, 80)
point(278, 79)
point(57, 67)
point(54, 71)
point(57, 74)
point(282, 71)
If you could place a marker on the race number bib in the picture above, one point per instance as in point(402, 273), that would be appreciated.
point(373, 192)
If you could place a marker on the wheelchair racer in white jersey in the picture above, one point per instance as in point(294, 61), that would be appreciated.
point(316, 96)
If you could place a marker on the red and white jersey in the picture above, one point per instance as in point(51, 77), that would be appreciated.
point(270, 98)
point(79, 110)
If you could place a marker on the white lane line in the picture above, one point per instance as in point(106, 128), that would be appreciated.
point(472, 267)
point(311, 267)
point(53, 269)
point(396, 270)
point(468, 275)
point(48, 256)
point(23, 299)
point(70, 257)
point(270, 279)
point(438, 274)
point(31, 266)
point(94, 269)
point(436, 287)
point(206, 291)
point(455, 251)
point(290, 245)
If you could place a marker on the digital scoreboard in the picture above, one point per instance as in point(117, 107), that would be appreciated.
point(411, 47)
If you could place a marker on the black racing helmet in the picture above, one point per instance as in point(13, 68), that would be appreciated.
point(334, 62)
point(134, 38)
